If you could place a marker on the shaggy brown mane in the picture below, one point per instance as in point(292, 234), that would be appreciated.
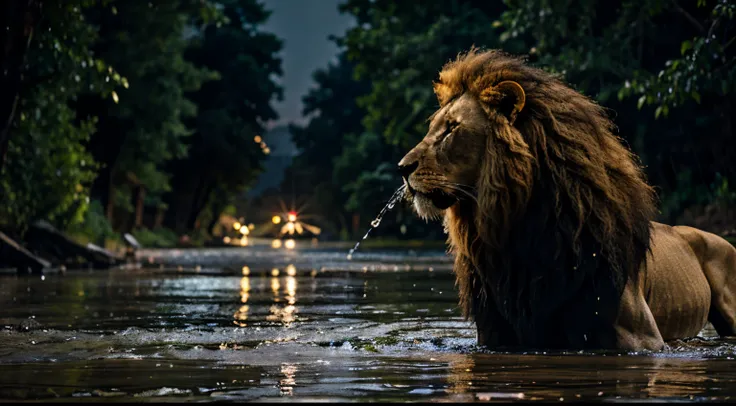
point(562, 207)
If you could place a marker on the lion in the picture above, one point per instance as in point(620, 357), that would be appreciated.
point(551, 221)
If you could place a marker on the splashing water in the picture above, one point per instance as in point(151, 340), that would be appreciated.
point(398, 194)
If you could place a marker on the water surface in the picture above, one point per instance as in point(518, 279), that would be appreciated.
point(259, 323)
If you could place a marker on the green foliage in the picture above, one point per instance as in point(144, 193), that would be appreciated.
point(114, 89)
point(664, 68)
point(158, 238)
point(224, 160)
point(49, 172)
point(703, 66)
point(335, 118)
point(400, 46)
point(94, 227)
point(142, 128)
point(671, 66)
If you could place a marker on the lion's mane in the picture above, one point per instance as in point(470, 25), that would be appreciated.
point(563, 212)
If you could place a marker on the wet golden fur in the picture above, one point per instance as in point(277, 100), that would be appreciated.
point(565, 134)
point(553, 242)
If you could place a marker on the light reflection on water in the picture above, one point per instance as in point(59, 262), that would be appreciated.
point(287, 383)
point(241, 333)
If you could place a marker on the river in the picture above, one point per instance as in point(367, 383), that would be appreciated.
point(303, 324)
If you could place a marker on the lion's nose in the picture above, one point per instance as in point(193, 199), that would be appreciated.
point(406, 169)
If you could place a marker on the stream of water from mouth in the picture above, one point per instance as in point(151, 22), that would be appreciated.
point(398, 194)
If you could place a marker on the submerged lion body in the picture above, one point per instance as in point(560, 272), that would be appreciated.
point(549, 218)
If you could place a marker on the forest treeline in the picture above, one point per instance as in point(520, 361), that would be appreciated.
point(664, 69)
point(118, 116)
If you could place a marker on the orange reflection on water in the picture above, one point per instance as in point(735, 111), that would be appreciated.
point(286, 314)
point(291, 289)
point(275, 286)
point(241, 315)
point(244, 289)
point(291, 270)
point(289, 380)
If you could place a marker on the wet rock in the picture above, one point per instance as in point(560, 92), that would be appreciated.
point(28, 325)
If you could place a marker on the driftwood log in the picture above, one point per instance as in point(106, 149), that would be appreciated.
point(16, 256)
point(45, 240)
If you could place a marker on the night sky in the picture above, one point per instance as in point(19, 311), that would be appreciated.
point(304, 26)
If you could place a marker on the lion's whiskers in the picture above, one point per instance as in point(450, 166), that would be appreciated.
point(456, 187)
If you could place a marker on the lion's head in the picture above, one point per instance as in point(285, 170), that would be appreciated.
point(519, 164)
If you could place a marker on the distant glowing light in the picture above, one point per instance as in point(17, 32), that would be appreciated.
point(266, 150)
point(290, 244)
point(290, 227)
point(292, 216)
point(257, 139)
point(246, 270)
point(244, 230)
point(115, 97)
point(276, 219)
point(237, 225)
point(244, 241)
point(251, 226)
point(275, 272)
point(276, 243)
point(291, 269)
point(226, 240)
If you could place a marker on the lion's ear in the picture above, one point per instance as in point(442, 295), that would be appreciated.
point(508, 97)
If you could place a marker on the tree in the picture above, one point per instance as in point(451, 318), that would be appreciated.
point(224, 158)
point(643, 60)
point(646, 61)
point(334, 117)
point(142, 127)
point(18, 19)
point(48, 171)
point(399, 47)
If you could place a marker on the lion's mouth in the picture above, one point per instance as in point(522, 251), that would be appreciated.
point(439, 198)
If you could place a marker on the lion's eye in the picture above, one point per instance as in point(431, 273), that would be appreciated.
point(451, 126)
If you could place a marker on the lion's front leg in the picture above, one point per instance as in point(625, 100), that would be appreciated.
point(635, 326)
point(492, 330)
